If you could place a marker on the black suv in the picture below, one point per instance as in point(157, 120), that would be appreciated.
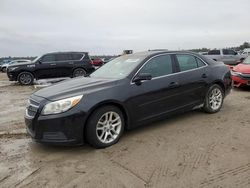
point(51, 65)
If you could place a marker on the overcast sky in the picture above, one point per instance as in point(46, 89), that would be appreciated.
point(34, 27)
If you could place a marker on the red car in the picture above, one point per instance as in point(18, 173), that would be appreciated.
point(241, 73)
point(97, 62)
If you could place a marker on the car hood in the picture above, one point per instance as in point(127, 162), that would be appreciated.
point(5, 64)
point(242, 68)
point(74, 87)
point(20, 64)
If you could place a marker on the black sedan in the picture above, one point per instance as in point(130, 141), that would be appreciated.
point(125, 93)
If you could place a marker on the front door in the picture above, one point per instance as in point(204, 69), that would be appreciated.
point(158, 96)
point(46, 67)
point(229, 56)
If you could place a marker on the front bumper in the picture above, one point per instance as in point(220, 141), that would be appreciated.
point(12, 76)
point(239, 81)
point(59, 129)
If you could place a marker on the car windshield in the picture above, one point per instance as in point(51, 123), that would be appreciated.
point(118, 68)
point(247, 60)
point(38, 57)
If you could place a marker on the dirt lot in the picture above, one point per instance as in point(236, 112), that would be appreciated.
point(190, 150)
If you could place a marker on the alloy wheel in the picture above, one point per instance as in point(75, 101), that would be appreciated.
point(108, 127)
point(215, 99)
point(79, 72)
point(25, 79)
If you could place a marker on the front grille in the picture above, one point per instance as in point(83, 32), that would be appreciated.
point(32, 108)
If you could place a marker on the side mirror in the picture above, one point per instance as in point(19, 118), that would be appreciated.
point(39, 61)
point(142, 77)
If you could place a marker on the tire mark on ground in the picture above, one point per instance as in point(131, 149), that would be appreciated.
point(130, 171)
point(226, 174)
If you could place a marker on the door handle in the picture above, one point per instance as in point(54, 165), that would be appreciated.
point(53, 64)
point(71, 63)
point(174, 85)
point(204, 75)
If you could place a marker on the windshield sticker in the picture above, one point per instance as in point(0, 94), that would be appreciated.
point(132, 60)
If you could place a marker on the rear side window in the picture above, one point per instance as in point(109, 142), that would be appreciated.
point(76, 56)
point(188, 62)
point(158, 66)
point(48, 58)
point(200, 63)
point(214, 52)
point(63, 57)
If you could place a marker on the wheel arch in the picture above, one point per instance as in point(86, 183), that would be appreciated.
point(78, 68)
point(221, 84)
point(108, 103)
point(22, 71)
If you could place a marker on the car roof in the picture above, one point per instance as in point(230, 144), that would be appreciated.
point(21, 60)
point(150, 53)
point(156, 52)
point(67, 52)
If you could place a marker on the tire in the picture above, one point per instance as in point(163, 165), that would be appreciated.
point(4, 69)
point(79, 72)
point(214, 99)
point(100, 132)
point(25, 78)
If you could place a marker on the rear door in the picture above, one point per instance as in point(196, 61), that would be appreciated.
point(193, 79)
point(64, 64)
point(158, 96)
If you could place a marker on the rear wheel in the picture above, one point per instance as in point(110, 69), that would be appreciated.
point(105, 127)
point(25, 78)
point(214, 99)
point(79, 72)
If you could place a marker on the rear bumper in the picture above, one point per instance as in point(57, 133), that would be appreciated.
point(238, 81)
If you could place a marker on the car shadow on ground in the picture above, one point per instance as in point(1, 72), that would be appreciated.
point(243, 88)
point(141, 130)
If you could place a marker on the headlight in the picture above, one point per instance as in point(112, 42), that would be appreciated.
point(12, 68)
point(234, 73)
point(61, 105)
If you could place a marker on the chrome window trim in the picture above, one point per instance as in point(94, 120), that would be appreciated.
point(83, 55)
point(131, 81)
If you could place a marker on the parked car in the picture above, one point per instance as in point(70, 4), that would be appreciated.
point(246, 52)
point(14, 62)
point(4, 62)
point(228, 56)
point(97, 62)
point(52, 65)
point(127, 92)
point(241, 73)
point(107, 59)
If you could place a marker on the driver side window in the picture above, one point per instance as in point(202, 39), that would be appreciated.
point(158, 66)
point(48, 58)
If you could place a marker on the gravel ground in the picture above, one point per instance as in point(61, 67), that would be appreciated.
point(189, 150)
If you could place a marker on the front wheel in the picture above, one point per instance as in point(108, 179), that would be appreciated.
point(4, 69)
point(25, 78)
point(105, 127)
point(214, 99)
